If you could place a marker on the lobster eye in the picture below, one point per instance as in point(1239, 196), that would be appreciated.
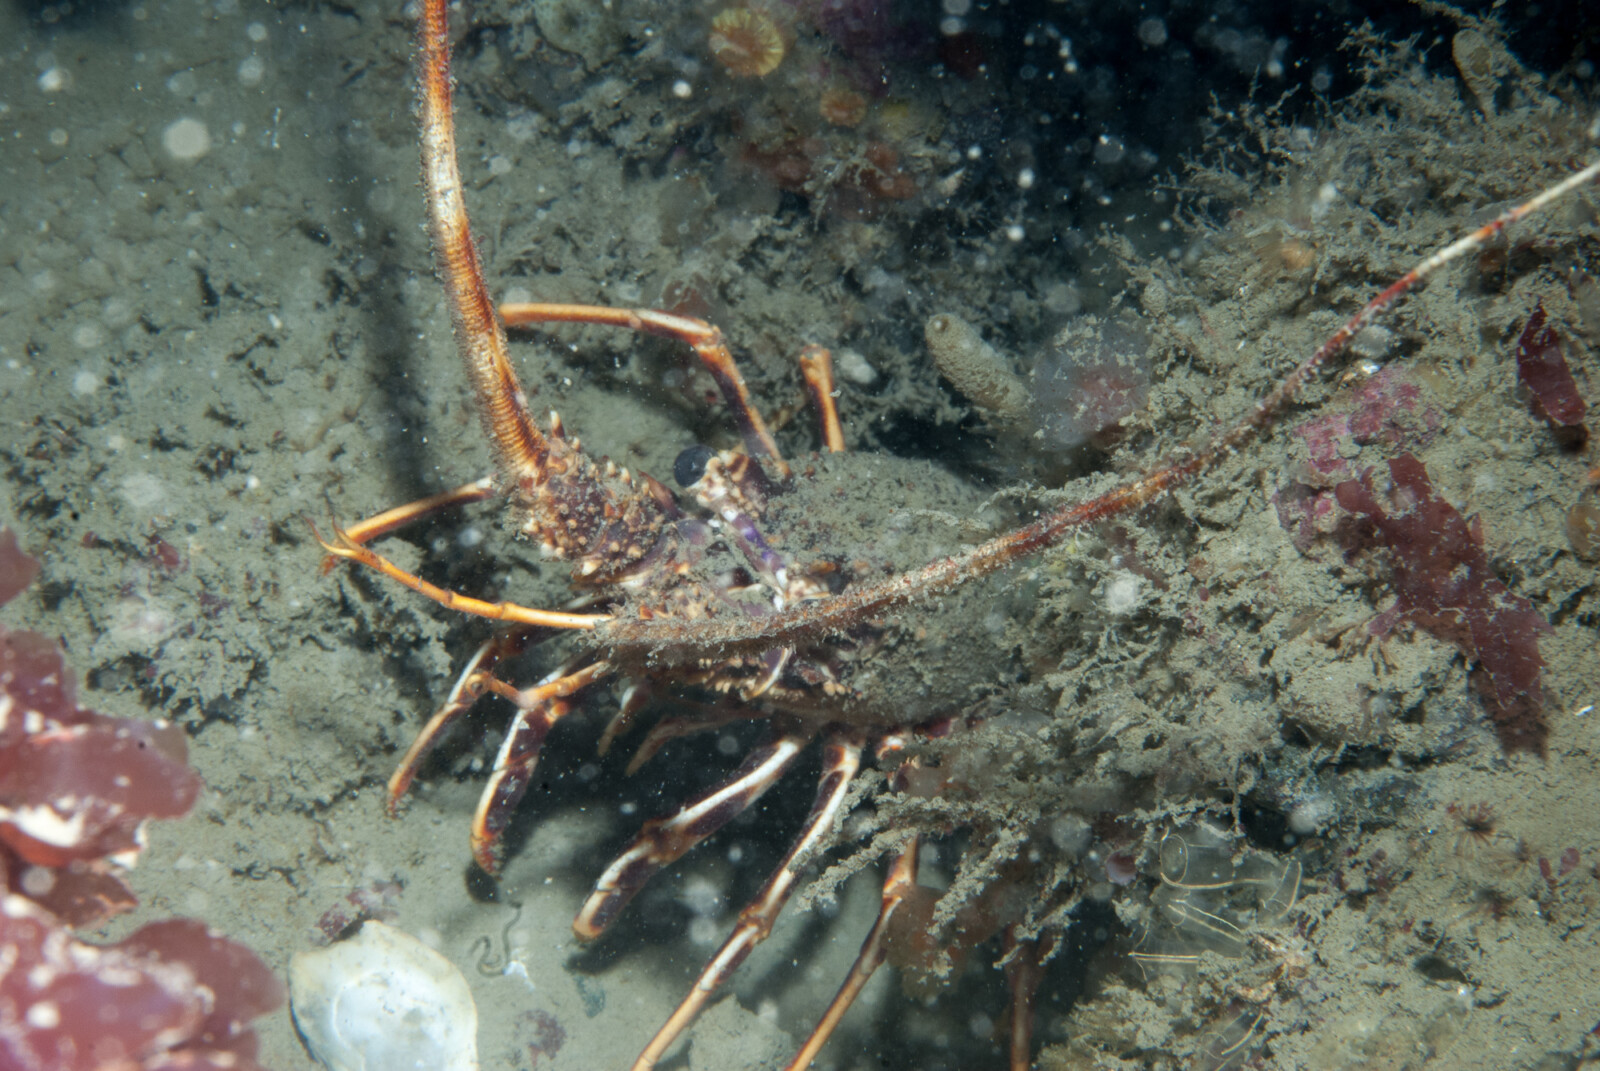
point(691, 464)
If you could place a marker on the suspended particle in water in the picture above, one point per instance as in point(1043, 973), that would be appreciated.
point(251, 71)
point(186, 139)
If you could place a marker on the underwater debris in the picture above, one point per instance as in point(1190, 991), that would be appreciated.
point(382, 998)
point(842, 107)
point(856, 186)
point(1208, 958)
point(1210, 902)
point(1095, 375)
point(1444, 584)
point(1583, 527)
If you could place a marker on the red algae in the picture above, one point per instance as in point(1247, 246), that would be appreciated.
point(76, 789)
point(1542, 368)
point(1390, 409)
point(75, 786)
point(172, 995)
point(1444, 584)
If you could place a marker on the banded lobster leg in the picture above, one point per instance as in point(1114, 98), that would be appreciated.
point(841, 759)
point(816, 364)
point(663, 841)
point(469, 687)
point(897, 885)
point(1024, 962)
point(538, 709)
point(703, 338)
point(1024, 967)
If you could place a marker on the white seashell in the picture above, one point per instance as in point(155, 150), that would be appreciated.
point(383, 1001)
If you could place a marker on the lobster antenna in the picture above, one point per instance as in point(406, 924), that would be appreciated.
point(851, 605)
point(521, 450)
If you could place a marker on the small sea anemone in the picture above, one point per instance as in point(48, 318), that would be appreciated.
point(748, 42)
point(843, 107)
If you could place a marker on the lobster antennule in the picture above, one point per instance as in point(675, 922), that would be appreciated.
point(348, 549)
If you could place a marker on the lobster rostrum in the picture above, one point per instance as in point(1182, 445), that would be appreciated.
point(740, 596)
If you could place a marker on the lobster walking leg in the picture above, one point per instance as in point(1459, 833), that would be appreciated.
point(466, 692)
point(662, 842)
point(816, 364)
point(663, 732)
point(840, 760)
point(635, 697)
point(1023, 973)
point(703, 338)
point(899, 881)
point(538, 709)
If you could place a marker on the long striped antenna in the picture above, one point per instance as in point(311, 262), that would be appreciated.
point(811, 619)
point(521, 450)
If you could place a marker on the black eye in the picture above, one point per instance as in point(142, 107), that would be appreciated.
point(691, 465)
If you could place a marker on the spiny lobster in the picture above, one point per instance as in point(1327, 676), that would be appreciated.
point(743, 597)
